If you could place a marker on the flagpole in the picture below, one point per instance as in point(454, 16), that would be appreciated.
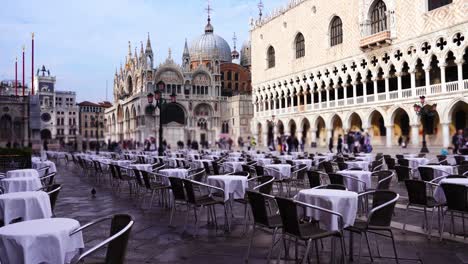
point(16, 76)
point(32, 64)
point(23, 72)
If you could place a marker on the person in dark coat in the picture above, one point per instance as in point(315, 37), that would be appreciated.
point(330, 145)
point(339, 146)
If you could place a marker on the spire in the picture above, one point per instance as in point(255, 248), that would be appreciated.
point(136, 54)
point(141, 49)
point(169, 54)
point(209, 28)
point(260, 9)
point(234, 53)
point(186, 50)
point(129, 49)
point(148, 45)
point(234, 40)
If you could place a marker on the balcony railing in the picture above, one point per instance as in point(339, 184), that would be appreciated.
point(376, 40)
point(409, 93)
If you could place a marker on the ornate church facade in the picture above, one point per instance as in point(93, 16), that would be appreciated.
point(202, 107)
point(360, 65)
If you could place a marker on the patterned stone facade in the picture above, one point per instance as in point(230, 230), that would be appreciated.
point(350, 86)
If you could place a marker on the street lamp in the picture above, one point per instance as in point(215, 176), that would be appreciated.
point(160, 103)
point(424, 110)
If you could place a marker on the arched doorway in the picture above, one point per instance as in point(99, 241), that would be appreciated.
point(355, 123)
point(173, 120)
point(46, 134)
point(377, 130)
point(280, 128)
point(337, 128)
point(401, 126)
point(321, 133)
point(292, 128)
point(259, 134)
point(305, 131)
point(270, 135)
point(458, 117)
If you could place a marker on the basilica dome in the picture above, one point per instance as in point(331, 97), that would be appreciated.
point(208, 45)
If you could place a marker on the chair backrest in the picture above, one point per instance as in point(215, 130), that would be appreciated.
point(48, 179)
point(402, 172)
point(117, 248)
point(462, 169)
point(265, 188)
point(289, 217)
point(259, 208)
point(260, 171)
point(206, 165)
point(53, 192)
point(384, 178)
point(328, 166)
point(399, 156)
point(138, 177)
point(456, 196)
point(177, 186)
point(241, 173)
point(189, 191)
point(403, 162)
point(146, 179)
point(383, 205)
point(442, 159)
point(301, 171)
point(454, 176)
point(390, 163)
point(376, 165)
point(426, 173)
point(290, 162)
point(342, 166)
point(113, 171)
point(416, 192)
point(459, 159)
point(336, 178)
point(198, 174)
point(215, 168)
point(314, 179)
point(332, 187)
point(421, 155)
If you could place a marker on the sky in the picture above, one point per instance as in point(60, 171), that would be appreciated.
point(82, 42)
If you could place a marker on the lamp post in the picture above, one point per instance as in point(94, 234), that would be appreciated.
point(424, 111)
point(160, 103)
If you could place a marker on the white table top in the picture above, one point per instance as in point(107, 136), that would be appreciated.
point(21, 184)
point(358, 164)
point(22, 173)
point(40, 241)
point(356, 186)
point(27, 205)
point(145, 167)
point(343, 202)
point(179, 173)
point(439, 194)
point(307, 162)
point(234, 186)
point(284, 170)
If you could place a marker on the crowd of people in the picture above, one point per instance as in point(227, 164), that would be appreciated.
point(460, 141)
point(353, 141)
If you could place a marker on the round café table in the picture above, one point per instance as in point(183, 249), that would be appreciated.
point(234, 186)
point(21, 184)
point(179, 173)
point(40, 241)
point(233, 166)
point(343, 202)
point(143, 167)
point(357, 186)
point(22, 173)
point(279, 171)
point(307, 162)
point(364, 165)
point(27, 205)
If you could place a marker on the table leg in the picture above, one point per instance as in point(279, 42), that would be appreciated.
point(351, 241)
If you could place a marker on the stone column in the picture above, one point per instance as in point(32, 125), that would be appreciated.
point(428, 79)
point(387, 86)
point(442, 77)
point(328, 97)
point(364, 91)
point(319, 94)
point(312, 95)
point(329, 135)
point(460, 73)
point(345, 94)
point(354, 83)
point(399, 84)
point(313, 136)
point(446, 134)
point(413, 83)
point(389, 136)
point(265, 138)
point(415, 134)
point(375, 88)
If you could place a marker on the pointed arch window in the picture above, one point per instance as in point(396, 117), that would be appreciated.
point(379, 17)
point(271, 57)
point(336, 31)
point(300, 46)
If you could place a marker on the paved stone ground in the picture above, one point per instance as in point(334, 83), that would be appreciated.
point(152, 241)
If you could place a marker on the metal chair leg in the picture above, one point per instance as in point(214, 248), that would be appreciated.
point(272, 243)
point(250, 245)
point(394, 247)
point(368, 246)
point(306, 254)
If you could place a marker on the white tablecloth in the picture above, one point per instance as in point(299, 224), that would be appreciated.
point(233, 186)
point(235, 154)
point(284, 158)
point(358, 164)
point(258, 156)
point(307, 162)
point(439, 194)
point(172, 162)
point(407, 156)
point(21, 184)
point(199, 163)
point(416, 162)
point(264, 161)
point(441, 170)
point(279, 171)
point(40, 241)
point(22, 173)
point(343, 202)
point(365, 158)
point(356, 186)
point(179, 173)
point(38, 164)
point(144, 167)
point(121, 162)
point(234, 158)
point(28, 205)
point(233, 166)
